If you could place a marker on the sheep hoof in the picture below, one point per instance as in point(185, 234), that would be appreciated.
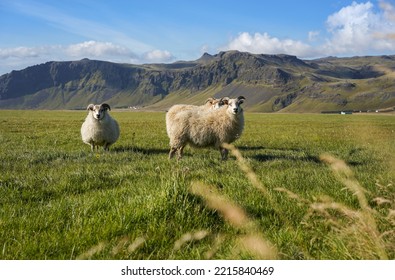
point(224, 154)
point(171, 153)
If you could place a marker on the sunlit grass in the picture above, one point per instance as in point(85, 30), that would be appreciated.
point(58, 200)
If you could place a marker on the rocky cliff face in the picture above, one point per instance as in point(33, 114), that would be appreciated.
point(272, 82)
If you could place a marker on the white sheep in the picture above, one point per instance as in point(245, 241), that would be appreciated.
point(99, 128)
point(210, 104)
point(211, 128)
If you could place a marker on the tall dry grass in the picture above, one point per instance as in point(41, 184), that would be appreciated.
point(250, 239)
point(355, 231)
point(364, 226)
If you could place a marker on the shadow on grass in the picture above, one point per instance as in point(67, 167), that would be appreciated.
point(145, 151)
point(268, 157)
point(294, 155)
point(267, 154)
point(251, 148)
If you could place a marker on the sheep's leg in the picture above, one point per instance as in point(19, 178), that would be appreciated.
point(173, 150)
point(224, 153)
point(92, 147)
point(180, 152)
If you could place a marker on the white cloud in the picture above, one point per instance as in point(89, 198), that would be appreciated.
point(313, 35)
point(389, 14)
point(352, 29)
point(17, 52)
point(264, 43)
point(389, 10)
point(90, 49)
point(158, 56)
point(357, 29)
point(205, 49)
point(90, 29)
point(98, 50)
point(21, 57)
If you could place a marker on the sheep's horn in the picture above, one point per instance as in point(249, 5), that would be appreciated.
point(241, 97)
point(90, 107)
point(210, 99)
point(106, 106)
point(224, 100)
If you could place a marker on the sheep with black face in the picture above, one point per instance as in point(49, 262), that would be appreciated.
point(99, 128)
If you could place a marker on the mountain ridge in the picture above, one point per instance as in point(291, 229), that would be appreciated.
point(271, 83)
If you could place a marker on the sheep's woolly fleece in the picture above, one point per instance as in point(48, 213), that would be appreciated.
point(99, 128)
point(205, 128)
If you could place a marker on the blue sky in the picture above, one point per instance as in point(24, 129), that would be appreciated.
point(132, 31)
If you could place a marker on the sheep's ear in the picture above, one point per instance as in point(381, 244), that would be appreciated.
point(240, 99)
point(90, 107)
point(106, 106)
point(224, 101)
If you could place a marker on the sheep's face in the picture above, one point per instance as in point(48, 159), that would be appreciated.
point(98, 111)
point(234, 105)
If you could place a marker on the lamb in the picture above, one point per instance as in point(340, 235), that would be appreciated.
point(99, 128)
point(211, 128)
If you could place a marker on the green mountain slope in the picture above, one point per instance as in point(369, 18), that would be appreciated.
point(270, 83)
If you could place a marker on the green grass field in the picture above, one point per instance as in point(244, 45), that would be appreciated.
point(302, 186)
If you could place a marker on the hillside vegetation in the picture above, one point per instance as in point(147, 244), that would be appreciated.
point(302, 186)
point(271, 83)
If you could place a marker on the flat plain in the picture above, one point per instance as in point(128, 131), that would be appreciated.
point(296, 186)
